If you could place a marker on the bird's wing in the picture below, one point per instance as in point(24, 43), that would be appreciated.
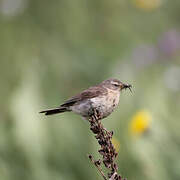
point(86, 94)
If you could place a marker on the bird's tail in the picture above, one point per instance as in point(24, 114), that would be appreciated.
point(54, 111)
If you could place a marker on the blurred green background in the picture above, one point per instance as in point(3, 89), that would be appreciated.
point(51, 50)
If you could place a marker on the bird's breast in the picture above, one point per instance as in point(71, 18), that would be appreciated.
point(107, 103)
point(113, 97)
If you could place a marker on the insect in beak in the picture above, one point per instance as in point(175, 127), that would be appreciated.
point(125, 86)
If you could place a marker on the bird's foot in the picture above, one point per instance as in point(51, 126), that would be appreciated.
point(97, 115)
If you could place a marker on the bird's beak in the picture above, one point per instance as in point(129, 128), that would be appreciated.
point(125, 86)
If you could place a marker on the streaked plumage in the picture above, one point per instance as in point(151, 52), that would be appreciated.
point(103, 98)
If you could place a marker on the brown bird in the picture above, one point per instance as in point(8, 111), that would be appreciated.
point(102, 98)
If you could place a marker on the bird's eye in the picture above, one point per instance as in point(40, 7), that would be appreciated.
point(116, 85)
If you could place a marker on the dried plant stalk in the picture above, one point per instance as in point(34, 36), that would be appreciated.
point(107, 149)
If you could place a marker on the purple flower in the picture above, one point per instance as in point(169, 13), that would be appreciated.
point(144, 55)
point(169, 43)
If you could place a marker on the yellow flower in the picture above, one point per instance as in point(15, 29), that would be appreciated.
point(147, 4)
point(116, 144)
point(140, 123)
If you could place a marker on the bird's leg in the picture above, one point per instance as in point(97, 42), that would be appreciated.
point(96, 114)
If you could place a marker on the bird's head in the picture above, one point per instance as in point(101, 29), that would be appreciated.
point(115, 84)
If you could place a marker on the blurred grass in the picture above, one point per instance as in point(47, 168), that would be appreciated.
point(50, 51)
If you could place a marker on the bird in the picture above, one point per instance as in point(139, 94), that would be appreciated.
point(102, 99)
